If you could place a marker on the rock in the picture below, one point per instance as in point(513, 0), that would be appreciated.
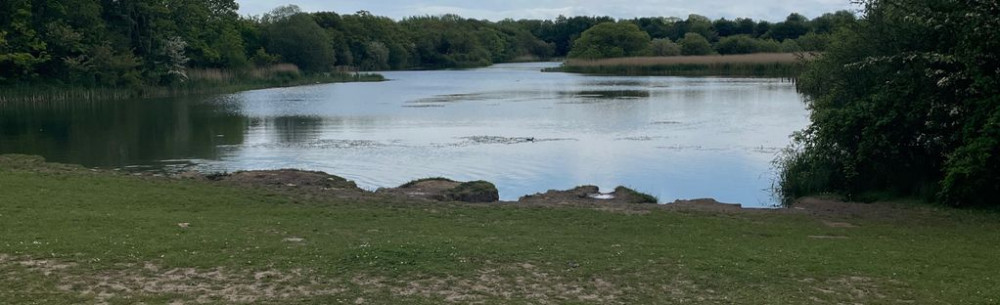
point(706, 203)
point(190, 175)
point(443, 189)
point(624, 194)
point(589, 194)
point(475, 191)
point(576, 194)
point(287, 178)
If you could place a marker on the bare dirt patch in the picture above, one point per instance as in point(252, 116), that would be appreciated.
point(835, 224)
point(828, 237)
point(197, 286)
point(844, 289)
point(509, 282)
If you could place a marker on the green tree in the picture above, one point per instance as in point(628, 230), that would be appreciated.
point(812, 41)
point(299, 40)
point(795, 25)
point(701, 25)
point(790, 46)
point(21, 47)
point(611, 39)
point(376, 56)
point(830, 22)
point(739, 44)
point(907, 102)
point(664, 47)
point(695, 44)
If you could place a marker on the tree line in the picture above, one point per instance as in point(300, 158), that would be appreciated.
point(127, 43)
point(906, 103)
point(698, 35)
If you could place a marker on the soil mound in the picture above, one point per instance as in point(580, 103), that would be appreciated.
point(287, 178)
point(589, 194)
point(443, 189)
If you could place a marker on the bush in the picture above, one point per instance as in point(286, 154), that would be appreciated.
point(664, 47)
point(906, 103)
point(611, 39)
point(744, 44)
point(694, 44)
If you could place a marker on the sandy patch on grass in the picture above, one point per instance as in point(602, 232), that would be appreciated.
point(527, 282)
point(848, 288)
point(511, 283)
point(197, 286)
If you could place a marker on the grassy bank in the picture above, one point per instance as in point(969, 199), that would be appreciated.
point(70, 235)
point(202, 81)
point(749, 65)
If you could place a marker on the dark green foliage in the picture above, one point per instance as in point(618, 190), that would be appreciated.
point(830, 22)
point(812, 42)
point(141, 44)
point(300, 41)
point(906, 103)
point(563, 31)
point(701, 25)
point(695, 44)
point(610, 40)
point(744, 44)
point(664, 47)
point(794, 26)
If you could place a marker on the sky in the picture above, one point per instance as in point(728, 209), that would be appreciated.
point(773, 10)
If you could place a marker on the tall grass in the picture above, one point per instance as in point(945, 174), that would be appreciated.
point(752, 65)
point(198, 81)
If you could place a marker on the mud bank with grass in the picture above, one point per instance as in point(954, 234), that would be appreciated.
point(201, 82)
point(71, 235)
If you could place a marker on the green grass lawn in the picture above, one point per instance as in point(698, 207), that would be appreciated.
point(70, 236)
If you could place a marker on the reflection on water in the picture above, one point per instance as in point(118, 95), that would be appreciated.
point(524, 130)
point(111, 134)
point(609, 94)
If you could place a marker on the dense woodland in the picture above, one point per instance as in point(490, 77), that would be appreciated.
point(906, 103)
point(110, 43)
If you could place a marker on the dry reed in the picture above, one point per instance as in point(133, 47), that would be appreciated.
point(785, 65)
point(759, 58)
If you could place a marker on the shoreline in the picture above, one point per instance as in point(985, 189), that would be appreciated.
point(319, 184)
point(74, 235)
point(49, 93)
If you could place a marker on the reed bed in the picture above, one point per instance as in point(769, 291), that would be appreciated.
point(750, 65)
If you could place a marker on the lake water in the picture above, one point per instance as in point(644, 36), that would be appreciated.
point(510, 124)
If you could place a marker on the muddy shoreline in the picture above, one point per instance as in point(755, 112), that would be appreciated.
point(426, 189)
point(309, 185)
point(317, 184)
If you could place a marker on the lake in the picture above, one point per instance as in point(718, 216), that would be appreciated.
point(524, 130)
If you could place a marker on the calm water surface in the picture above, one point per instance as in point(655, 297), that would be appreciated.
point(524, 130)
